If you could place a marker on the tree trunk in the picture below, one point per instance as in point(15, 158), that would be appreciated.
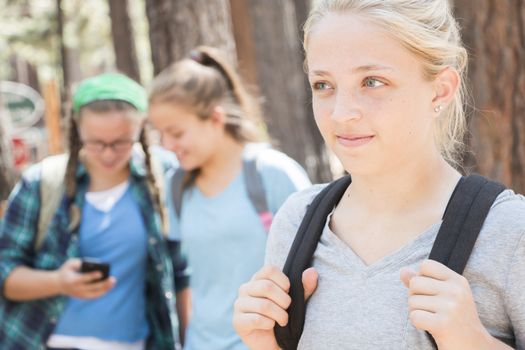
point(64, 60)
point(275, 47)
point(177, 26)
point(123, 39)
point(6, 166)
point(322, 172)
point(24, 72)
point(494, 31)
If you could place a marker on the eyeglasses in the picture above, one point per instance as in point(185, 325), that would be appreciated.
point(118, 146)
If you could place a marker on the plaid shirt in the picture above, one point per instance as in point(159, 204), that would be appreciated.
point(27, 325)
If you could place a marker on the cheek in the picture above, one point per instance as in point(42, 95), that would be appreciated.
point(322, 110)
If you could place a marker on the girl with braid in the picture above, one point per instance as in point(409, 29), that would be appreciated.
point(110, 211)
point(209, 121)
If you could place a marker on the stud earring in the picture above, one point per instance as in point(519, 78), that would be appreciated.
point(438, 108)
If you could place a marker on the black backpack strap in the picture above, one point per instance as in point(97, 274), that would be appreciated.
point(463, 219)
point(177, 189)
point(464, 216)
point(300, 257)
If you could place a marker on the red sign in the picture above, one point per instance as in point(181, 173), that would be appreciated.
point(20, 152)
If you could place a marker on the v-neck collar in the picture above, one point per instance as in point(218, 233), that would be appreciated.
point(394, 259)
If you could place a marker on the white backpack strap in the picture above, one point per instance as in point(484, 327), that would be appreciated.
point(51, 192)
point(160, 179)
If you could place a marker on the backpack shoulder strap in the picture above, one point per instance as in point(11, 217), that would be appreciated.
point(51, 192)
point(463, 219)
point(300, 256)
point(177, 189)
point(158, 171)
point(255, 187)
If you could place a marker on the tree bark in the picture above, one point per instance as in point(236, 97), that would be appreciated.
point(123, 39)
point(177, 26)
point(6, 166)
point(494, 32)
point(64, 60)
point(274, 52)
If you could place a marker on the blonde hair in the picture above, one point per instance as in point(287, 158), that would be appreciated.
point(203, 81)
point(428, 29)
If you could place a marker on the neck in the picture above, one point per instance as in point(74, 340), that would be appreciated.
point(405, 188)
point(224, 164)
point(100, 181)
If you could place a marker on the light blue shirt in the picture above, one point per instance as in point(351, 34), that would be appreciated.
point(119, 238)
point(225, 241)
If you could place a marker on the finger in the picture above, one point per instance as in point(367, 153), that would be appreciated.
point(423, 320)
point(434, 269)
point(406, 274)
point(422, 285)
point(74, 264)
point(96, 290)
point(243, 322)
point(275, 274)
point(264, 307)
point(102, 286)
point(90, 277)
point(309, 279)
point(266, 289)
point(424, 303)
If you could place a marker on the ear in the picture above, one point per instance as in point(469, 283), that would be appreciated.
point(218, 115)
point(446, 84)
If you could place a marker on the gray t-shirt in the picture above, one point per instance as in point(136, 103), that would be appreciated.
point(364, 307)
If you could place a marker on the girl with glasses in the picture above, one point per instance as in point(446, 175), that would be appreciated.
point(110, 210)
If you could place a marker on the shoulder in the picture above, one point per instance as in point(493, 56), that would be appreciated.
point(275, 165)
point(286, 224)
point(508, 211)
point(506, 218)
point(268, 157)
point(502, 231)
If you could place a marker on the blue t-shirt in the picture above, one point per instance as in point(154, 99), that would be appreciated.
point(225, 242)
point(117, 237)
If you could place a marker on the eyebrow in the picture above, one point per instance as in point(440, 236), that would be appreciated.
point(360, 69)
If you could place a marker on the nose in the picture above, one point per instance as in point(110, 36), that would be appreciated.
point(346, 107)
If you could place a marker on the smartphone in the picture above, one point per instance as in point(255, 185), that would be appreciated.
point(91, 264)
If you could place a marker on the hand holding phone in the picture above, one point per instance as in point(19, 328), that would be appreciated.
point(91, 264)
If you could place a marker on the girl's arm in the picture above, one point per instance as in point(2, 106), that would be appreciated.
point(183, 305)
point(24, 283)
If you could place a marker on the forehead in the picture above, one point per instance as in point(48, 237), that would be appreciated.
point(343, 42)
point(113, 124)
point(168, 115)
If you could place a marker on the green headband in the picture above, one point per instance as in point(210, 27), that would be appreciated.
point(110, 86)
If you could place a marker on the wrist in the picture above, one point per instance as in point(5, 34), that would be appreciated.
point(485, 341)
point(57, 283)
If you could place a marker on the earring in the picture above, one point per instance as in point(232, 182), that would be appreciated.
point(438, 108)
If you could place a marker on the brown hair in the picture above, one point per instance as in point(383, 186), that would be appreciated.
point(205, 80)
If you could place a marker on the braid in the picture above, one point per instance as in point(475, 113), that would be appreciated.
point(151, 181)
point(71, 170)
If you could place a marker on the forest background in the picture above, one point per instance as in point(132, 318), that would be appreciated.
point(50, 45)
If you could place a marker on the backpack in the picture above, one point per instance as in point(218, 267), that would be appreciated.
point(252, 181)
point(52, 188)
point(462, 221)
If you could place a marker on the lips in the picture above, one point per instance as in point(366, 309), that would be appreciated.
point(354, 140)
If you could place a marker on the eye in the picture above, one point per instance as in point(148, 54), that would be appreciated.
point(321, 86)
point(176, 134)
point(371, 82)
